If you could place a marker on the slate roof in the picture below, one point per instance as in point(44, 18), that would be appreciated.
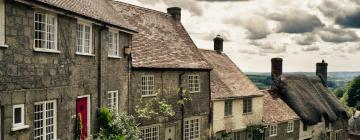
point(227, 80)
point(310, 99)
point(354, 124)
point(275, 109)
point(101, 10)
point(161, 42)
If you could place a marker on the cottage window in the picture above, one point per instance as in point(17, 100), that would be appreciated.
point(273, 130)
point(114, 49)
point(45, 32)
point(338, 135)
point(147, 85)
point(84, 38)
point(194, 83)
point(113, 101)
point(45, 120)
point(150, 133)
point(2, 23)
point(247, 105)
point(18, 117)
point(228, 107)
point(192, 129)
point(290, 126)
point(305, 127)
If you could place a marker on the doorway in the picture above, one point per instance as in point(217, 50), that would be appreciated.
point(83, 109)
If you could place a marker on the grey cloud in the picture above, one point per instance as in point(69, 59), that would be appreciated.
point(306, 39)
point(210, 36)
point(191, 5)
point(349, 20)
point(337, 35)
point(256, 26)
point(330, 8)
point(249, 52)
point(296, 21)
point(310, 48)
point(267, 47)
point(324, 53)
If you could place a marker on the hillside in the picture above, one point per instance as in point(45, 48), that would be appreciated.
point(335, 79)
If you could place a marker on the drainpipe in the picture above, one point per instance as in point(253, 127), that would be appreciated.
point(129, 75)
point(99, 66)
point(182, 105)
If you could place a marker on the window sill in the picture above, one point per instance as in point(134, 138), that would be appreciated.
point(193, 92)
point(4, 46)
point(248, 113)
point(84, 54)
point(115, 57)
point(272, 135)
point(16, 128)
point(229, 116)
point(289, 131)
point(46, 50)
point(148, 96)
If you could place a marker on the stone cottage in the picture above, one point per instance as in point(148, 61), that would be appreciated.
point(280, 121)
point(322, 116)
point(167, 65)
point(236, 103)
point(60, 59)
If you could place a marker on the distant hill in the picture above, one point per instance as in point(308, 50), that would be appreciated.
point(335, 79)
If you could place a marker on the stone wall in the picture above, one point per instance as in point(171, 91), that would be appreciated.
point(27, 76)
point(282, 133)
point(166, 84)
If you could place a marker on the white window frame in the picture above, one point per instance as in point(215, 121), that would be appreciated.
point(111, 42)
point(81, 51)
point(113, 101)
point(194, 83)
point(21, 125)
point(147, 86)
point(273, 130)
point(149, 132)
point(2, 24)
point(188, 135)
point(290, 126)
point(47, 15)
point(44, 118)
point(338, 135)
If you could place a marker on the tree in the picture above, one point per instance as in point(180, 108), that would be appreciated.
point(339, 92)
point(353, 93)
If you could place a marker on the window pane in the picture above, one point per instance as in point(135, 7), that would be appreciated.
point(17, 113)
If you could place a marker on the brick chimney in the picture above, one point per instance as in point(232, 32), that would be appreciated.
point(321, 71)
point(175, 12)
point(276, 68)
point(218, 44)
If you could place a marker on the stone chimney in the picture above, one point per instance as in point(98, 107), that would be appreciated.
point(321, 70)
point(175, 12)
point(218, 44)
point(276, 68)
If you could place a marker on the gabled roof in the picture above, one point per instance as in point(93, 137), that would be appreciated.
point(161, 42)
point(227, 80)
point(100, 10)
point(275, 109)
point(310, 99)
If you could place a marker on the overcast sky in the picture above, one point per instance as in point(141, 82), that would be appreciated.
point(302, 32)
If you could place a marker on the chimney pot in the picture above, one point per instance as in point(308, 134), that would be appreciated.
point(175, 12)
point(218, 44)
point(321, 70)
point(276, 68)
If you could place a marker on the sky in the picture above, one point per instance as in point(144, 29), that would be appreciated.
point(302, 32)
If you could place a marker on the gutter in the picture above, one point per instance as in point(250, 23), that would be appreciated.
point(99, 66)
point(182, 108)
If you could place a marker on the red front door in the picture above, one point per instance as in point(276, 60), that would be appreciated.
point(82, 108)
